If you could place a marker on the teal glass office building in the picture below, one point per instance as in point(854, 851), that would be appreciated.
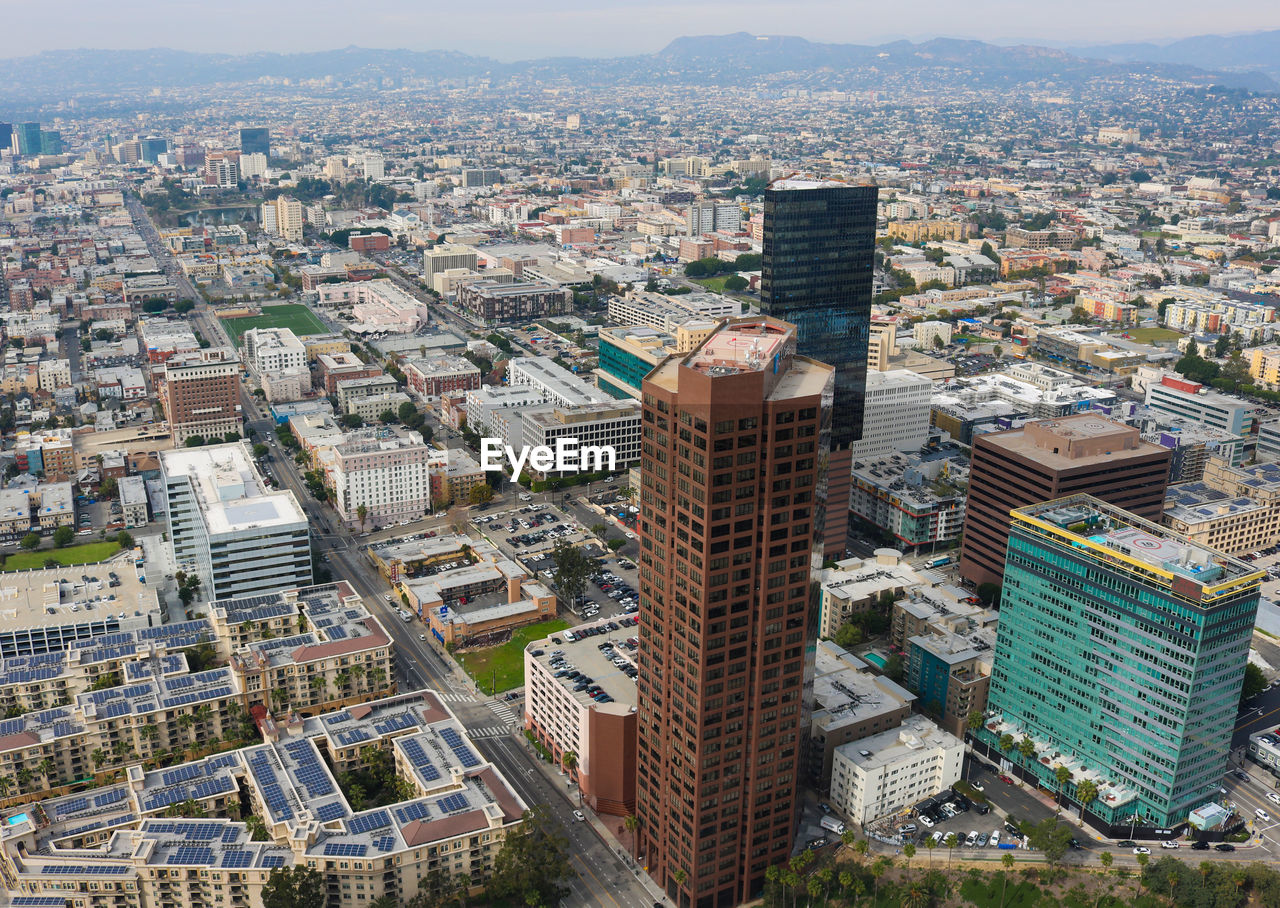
point(1120, 656)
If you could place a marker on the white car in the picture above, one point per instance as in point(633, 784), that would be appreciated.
point(1141, 850)
point(1273, 797)
point(994, 841)
point(1168, 843)
point(1262, 815)
point(579, 816)
point(926, 822)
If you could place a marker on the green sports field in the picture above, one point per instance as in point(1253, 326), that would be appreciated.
point(297, 318)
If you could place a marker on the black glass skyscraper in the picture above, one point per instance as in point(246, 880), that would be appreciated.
point(819, 253)
point(255, 140)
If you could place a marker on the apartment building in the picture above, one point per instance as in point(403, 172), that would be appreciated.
point(553, 383)
point(1231, 509)
point(269, 350)
point(351, 390)
point(333, 368)
point(877, 776)
point(1193, 401)
point(494, 303)
point(227, 528)
point(447, 257)
point(133, 501)
point(383, 471)
point(896, 495)
point(858, 585)
point(200, 393)
point(440, 375)
point(850, 703)
point(283, 216)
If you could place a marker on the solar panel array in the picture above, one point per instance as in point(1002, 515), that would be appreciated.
point(272, 860)
point(239, 857)
point(38, 901)
point(192, 855)
point(345, 849)
point(337, 632)
point(384, 842)
point(84, 869)
point(353, 736)
point(331, 811)
point(415, 810)
point(337, 718)
point(452, 803)
point(107, 798)
point(271, 790)
point(368, 822)
point(395, 723)
point(421, 762)
point(191, 830)
point(183, 773)
point(75, 805)
point(464, 753)
point(308, 769)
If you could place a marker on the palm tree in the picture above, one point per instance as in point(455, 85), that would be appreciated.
point(1173, 884)
point(909, 852)
point(1027, 748)
point(99, 756)
point(1007, 861)
point(813, 888)
point(1063, 775)
point(860, 848)
point(569, 761)
point(846, 880)
point(929, 845)
point(878, 867)
point(679, 876)
point(24, 777)
point(361, 513)
point(951, 841)
point(1086, 794)
point(632, 825)
point(917, 895)
point(46, 768)
point(1006, 743)
point(6, 783)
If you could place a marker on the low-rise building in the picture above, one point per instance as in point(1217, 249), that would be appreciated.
point(494, 303)
point(436, 376)
point(880, 775)
point(850, 703)
point(478, 598)
point(133, 501)
point(352, 389)
point(895, 494)
point(1232, 509)
point(858, 585)
point(950, 673)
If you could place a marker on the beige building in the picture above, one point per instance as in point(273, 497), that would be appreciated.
point(1232, 509)
point(284, 217)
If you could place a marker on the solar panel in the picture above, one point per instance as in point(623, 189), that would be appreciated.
point(75, 805)
point(330, 811)
point(415, 810)
point(272, 860)
point(369, 821)
point(384, 843)
point(345, 850)
point(230, 834)
point(38, 901)
point(109, 797)
point(117, 709)
point(191, 855)
point(452, 803)
point(238, 858)
point(337, 633)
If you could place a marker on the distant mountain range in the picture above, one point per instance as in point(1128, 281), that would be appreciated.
point(1255, 52)
point(1248, 61)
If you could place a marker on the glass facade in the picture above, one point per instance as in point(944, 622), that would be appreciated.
point(819, 253)
point(1121, 663)
point(622, 365)
point(255, 140)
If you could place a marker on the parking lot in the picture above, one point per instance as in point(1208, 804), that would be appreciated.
point(529, 530)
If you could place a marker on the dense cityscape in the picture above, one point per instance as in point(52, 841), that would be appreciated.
point(759, 472)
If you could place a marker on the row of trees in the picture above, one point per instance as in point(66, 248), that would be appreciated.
point(711, 266)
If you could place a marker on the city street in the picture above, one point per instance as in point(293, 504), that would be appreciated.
point(602, 878)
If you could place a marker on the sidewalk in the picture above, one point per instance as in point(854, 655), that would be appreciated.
point(616, 839)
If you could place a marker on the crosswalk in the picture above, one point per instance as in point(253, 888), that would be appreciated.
point(457, 698)
point(503, 711)
point(490, 731)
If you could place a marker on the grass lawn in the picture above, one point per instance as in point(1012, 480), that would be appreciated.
point(507, 659)
point(89, 553)
point(988, 891)
point(714, 284)
point(294, 316)
point(1149, 335)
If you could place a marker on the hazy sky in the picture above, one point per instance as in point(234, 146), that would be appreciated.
point(523, 29)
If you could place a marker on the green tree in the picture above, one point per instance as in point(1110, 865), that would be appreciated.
point(124, 539)
point(735, 283)
point(1063, 776)
point(1006, 743)
point(1255, 682)
point(480, 494)
point(63, 537)
point(1050, 836)
point(108, 488)
point(909, 852)
point(572, 568)
point(989, 593)
point(193, 441)
point(848, 635)
point(533, 864)
point(260, 450)
point(951, 841)
point(1086, 794)
point(30, 542)
point(294, 887)
point(362, 512)
point(407, 411)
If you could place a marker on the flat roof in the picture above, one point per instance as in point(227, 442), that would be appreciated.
point(585, 653)
point(229, 489)
point(55, 596)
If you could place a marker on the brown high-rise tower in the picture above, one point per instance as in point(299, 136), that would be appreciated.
point(1051, 459)
point(728, 476)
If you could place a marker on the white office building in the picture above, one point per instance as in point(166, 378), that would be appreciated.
point(227, 528)
point(556, 385)
point(895, 414)
point(614, 425)
point(884, 773)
